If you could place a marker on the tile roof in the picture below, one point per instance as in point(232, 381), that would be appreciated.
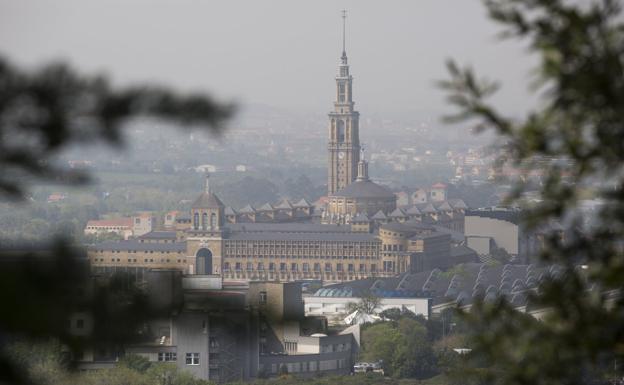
point(360, 218)
point(302, 204)
point(463, 283)
point(284, 204)
point(308, 236)
point(379, 215)
point(247, 210)
point(266, 207)
point(287, 228)
point(119, 222)
point(397, 213)
point(139, 246)
point(159, 235)
point(365, 189)
point(207, 200)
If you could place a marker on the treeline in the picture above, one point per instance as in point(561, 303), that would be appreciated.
point(36, 219)
point(411, 346)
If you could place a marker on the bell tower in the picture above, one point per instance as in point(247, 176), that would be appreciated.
point(344, 131)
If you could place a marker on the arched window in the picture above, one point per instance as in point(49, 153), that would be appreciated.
point(196, 221)
point(340, 127)
point(213, 220)
point(204, 221)
point(341, 131)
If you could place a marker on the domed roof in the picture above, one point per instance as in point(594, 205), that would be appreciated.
point(364, 189)
point(207, 200)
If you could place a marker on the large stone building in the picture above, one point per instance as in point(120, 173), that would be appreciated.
point(363, 233)
point(208, 244)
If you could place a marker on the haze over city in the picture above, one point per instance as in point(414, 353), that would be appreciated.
point(311, 192)
point(284, 59)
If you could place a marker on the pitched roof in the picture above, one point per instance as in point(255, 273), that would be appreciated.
point(365, 189)
point(302, 203)
point(445, 206)
point(360, 218)
point(429, 209)
point(413, 211)
point(266, 207)
point(229, 211)
point(284, 204)
point(247, 210)
point(397, 213)
point(457, 204)
point(207, 200)
point(159, 235)
point(379, 215)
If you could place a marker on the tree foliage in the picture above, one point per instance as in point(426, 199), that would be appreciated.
point(44, 111)
point(575, 137)
point(367, 304)
point(403, 345)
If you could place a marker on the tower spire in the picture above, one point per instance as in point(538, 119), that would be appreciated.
point(344, 22)
point(344, 29)
point(207, 184)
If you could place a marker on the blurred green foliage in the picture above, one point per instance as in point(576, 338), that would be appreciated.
point(575, 137)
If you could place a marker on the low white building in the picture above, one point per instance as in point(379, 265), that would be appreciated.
point(335, 308)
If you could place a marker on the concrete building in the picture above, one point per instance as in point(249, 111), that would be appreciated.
point(226, 333)
point(333, 301)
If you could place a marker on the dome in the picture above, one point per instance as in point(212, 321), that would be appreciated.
point(207, 200)
point(365, 189)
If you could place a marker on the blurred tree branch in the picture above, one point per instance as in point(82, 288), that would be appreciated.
point(43, 112)
point(576, 137)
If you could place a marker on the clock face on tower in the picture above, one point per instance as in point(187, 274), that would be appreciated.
point(341, 155)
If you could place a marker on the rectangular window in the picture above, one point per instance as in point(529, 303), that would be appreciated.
point(238, 266)
point(293, 267)
point(80, 324)
point(339, 267)
point(282, 266)
point(272, 266)
point(306, 267)
point(260, 266)
point(263, 297)
point(167, 356)
point(192, 358)
point(226, 266)
point(328, 267)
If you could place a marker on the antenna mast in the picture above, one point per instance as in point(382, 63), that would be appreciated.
point(344, 22)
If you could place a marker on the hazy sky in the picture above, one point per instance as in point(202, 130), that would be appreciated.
point(282, 53)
